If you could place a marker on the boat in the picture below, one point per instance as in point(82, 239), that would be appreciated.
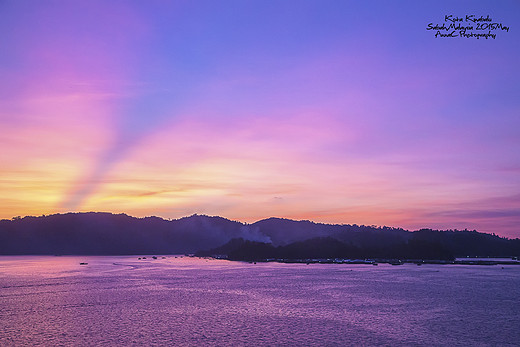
point(398, 262)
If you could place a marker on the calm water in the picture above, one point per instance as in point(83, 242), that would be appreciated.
point(192, 302)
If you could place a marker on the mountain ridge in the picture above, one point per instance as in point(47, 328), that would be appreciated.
point(105, 233)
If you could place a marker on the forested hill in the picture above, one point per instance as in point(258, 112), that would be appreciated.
point(99, 233)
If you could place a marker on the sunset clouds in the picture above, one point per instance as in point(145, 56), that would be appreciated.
point(336, 112)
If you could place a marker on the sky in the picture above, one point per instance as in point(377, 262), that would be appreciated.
point(348, 112)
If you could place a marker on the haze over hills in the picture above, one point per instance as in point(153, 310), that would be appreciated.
point(97, 233)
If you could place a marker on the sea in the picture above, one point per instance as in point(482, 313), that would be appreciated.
point(188, 301)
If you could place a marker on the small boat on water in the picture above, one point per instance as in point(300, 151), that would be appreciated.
point(83, 263)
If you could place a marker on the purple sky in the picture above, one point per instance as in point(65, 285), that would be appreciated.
point(334, 111)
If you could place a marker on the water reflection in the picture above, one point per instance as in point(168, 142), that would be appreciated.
point(191, 301)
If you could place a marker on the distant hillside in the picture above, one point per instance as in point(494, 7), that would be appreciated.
point(105, 233)
point(98, 233)
point(285, 231)
point(328, 248)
